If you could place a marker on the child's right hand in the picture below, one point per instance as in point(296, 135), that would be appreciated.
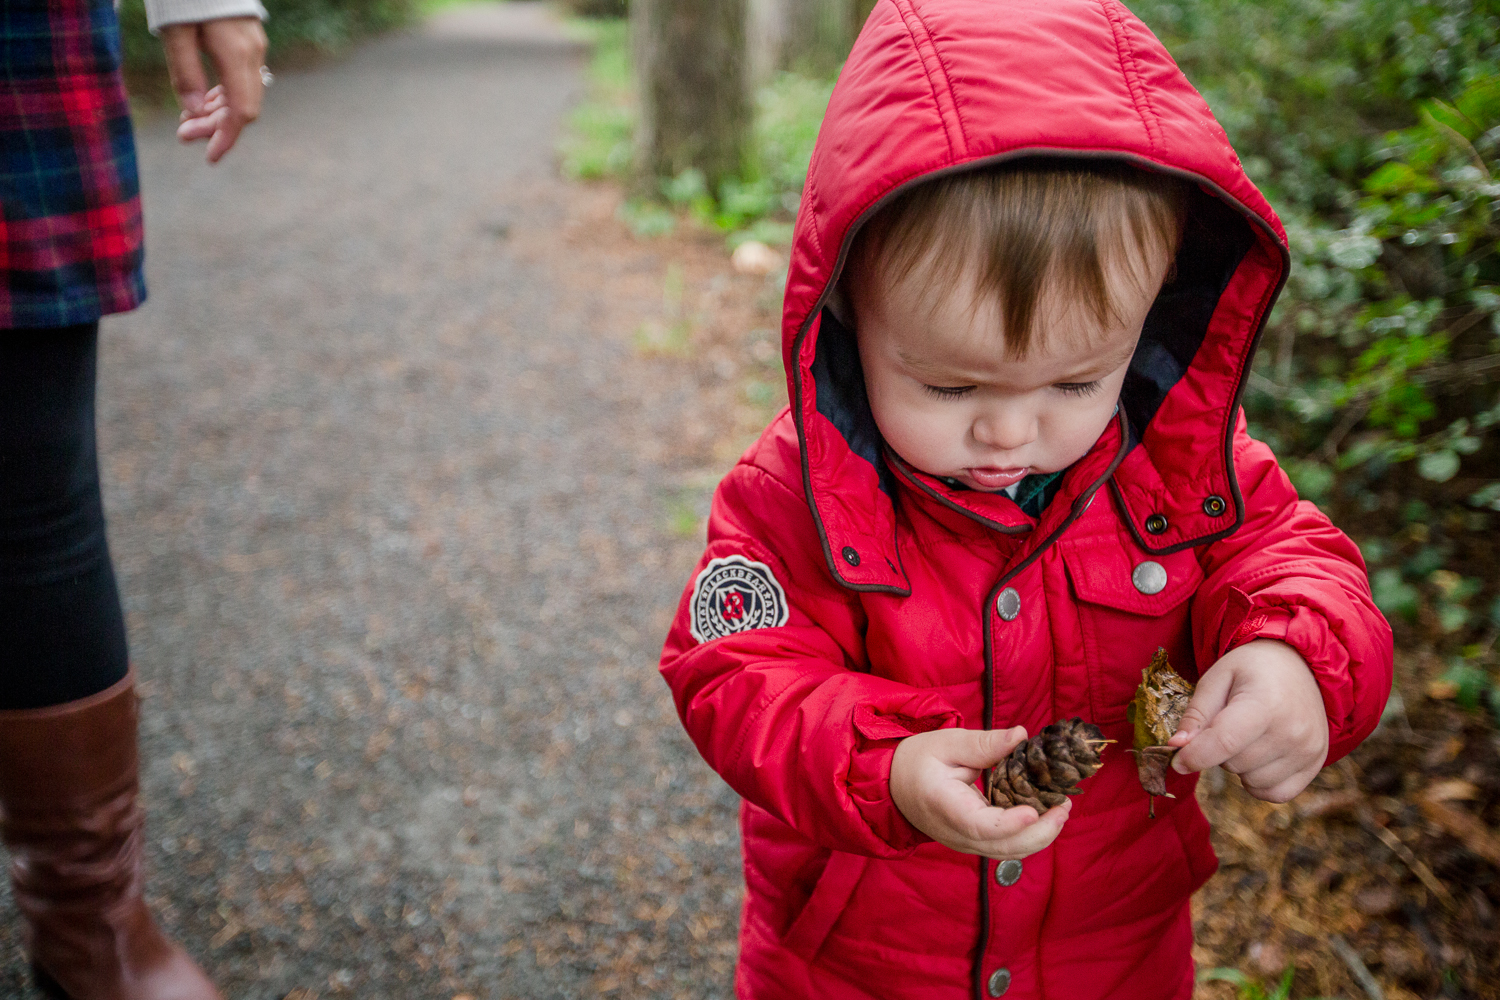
point(932, 783)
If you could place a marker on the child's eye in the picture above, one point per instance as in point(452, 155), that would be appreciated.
point(1078, 388)
point(948, 391)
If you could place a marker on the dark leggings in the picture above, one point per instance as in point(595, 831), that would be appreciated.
point(62, 633)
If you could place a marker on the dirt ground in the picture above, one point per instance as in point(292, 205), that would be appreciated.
point(406, 465)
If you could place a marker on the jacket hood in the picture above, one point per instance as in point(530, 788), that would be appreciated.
point(937, 86)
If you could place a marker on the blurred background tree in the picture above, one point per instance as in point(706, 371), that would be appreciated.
point(691, 61)
point(806, 36)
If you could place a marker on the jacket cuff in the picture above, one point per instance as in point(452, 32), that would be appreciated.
point(876, 737)
point(1308, 631)
point(160, 13)
point(1262, 623)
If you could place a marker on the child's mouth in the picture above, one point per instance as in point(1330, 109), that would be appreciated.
point(994, 479)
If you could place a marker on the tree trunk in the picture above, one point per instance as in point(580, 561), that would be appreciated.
point(809, 36)
point(765, 39)
point(819, 34)
point(695, 98)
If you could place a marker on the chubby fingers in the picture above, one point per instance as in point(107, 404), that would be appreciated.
point(960, 818)
point(932, 784)
point(1215, 727)
point(1018, 832)
point(976, 749)
point(1280, 780)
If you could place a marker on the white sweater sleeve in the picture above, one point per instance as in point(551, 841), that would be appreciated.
point(163, 12)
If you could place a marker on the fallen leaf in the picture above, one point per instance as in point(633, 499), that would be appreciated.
point(227, 933)
point(1453, 789)
point(1377, 900)
point(1328, 803)
point(1441, 690)
point(1468, 829)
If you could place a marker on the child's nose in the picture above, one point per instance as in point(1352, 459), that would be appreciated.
point(1004, 428)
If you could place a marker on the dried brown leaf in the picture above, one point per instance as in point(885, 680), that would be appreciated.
point(1452, 789)
point(1159, 702)
point(1155, 712)
point(1470, 830)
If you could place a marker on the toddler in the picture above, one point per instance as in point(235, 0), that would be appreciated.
point(1028, 278)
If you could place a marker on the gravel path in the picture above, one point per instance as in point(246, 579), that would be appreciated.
point(390, 520)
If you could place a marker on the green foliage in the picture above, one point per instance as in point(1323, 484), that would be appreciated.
point(1249, 988)
point(759, 205)
point(598, 140)
point(788, 112)
point(1373, 126)
point(325, 26)
point(646, 218)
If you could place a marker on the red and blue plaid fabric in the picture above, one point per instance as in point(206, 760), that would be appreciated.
point(70, 209)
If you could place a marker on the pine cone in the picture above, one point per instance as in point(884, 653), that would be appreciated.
point(1043, 771)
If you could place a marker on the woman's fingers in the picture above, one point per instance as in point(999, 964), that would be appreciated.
point(237, 48)
point(185, 67)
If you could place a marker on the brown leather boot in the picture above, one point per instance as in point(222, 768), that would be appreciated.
point(70, 814)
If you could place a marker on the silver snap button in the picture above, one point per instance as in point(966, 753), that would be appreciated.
point(1008, 604)
point(1008, 872)
point(1149, 577)
point(999, 982)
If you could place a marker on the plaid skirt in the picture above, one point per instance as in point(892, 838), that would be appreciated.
point(70, 209)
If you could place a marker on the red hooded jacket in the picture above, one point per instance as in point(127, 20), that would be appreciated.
point(846, 600)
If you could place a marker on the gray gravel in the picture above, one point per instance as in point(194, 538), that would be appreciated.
point(388, 513)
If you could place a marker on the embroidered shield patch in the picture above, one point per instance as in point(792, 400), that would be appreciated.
point(735, 594)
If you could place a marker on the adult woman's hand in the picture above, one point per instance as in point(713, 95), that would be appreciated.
point(237, 47)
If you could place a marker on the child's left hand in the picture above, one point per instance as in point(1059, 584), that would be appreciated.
point(1259, 712)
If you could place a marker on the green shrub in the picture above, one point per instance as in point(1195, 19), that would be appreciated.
point(760, 205)
point(1373, 126)
point(597, 142)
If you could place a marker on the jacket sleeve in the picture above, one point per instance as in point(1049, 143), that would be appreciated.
point(1289, 574)
point(160, 13)
point(788, 713)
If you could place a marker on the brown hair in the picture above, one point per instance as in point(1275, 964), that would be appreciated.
point(1014, 228)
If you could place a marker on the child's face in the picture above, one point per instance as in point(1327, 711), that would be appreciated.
point(951, 402)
